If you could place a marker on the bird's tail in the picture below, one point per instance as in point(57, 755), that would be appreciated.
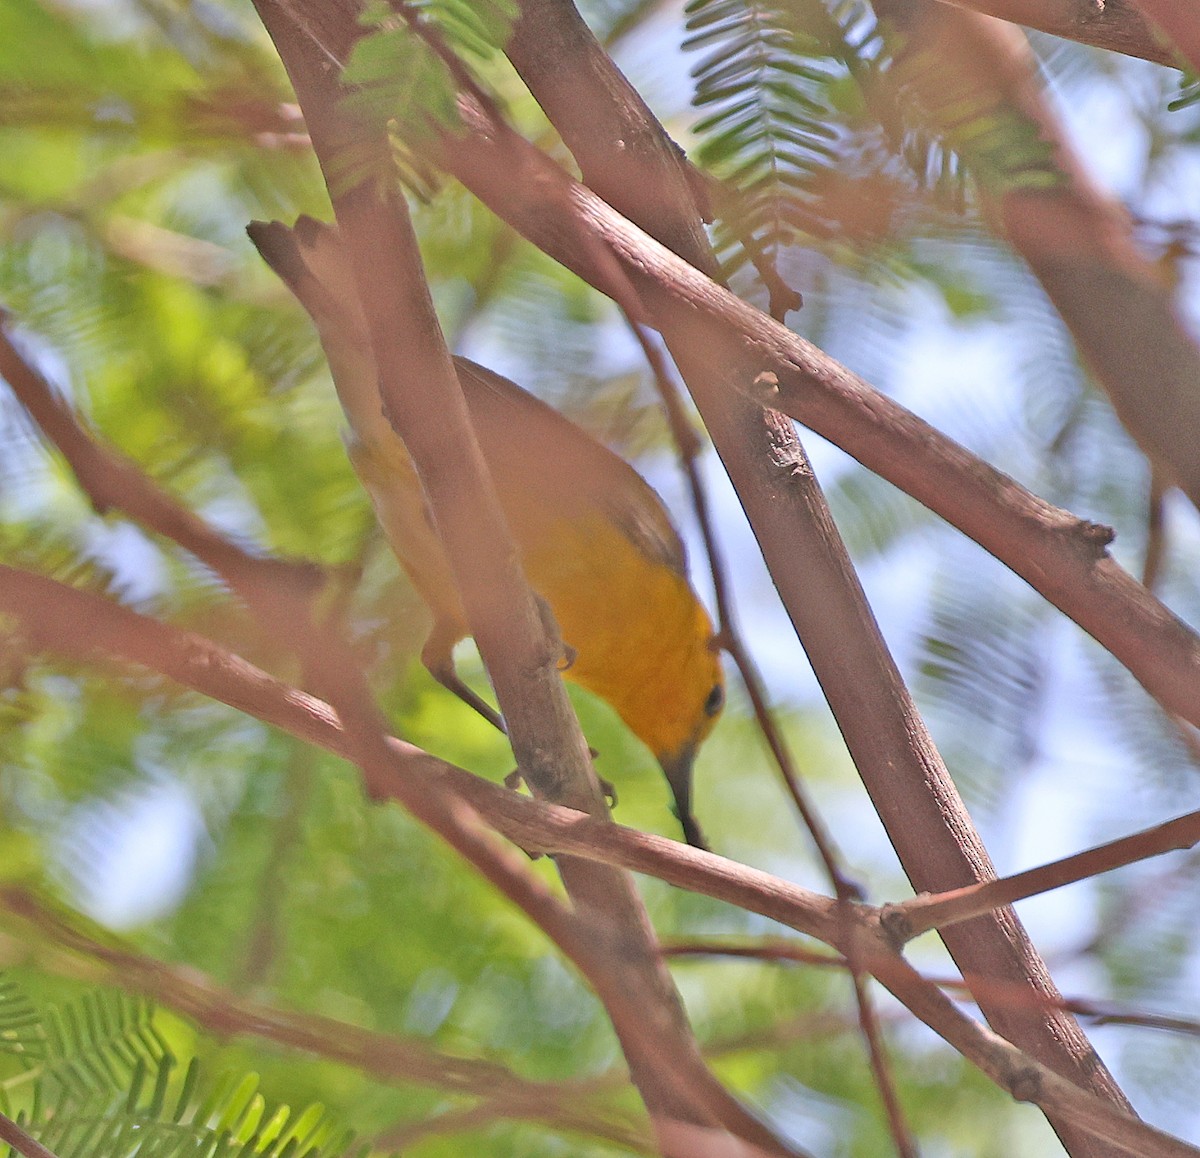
point(311, 262)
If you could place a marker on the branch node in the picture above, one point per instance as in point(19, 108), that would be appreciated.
point(1096, 537)
point(1025, 1084)
point(896, 924)
point(765, 387)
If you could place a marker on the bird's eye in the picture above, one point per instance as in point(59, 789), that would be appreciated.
point(715, 701)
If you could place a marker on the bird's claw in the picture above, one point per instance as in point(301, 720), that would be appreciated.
point(515, 780)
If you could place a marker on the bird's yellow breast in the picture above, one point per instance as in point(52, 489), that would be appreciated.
point(640, 638)
point(637, 635)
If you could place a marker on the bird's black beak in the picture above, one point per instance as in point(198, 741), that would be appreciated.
point(678, 769)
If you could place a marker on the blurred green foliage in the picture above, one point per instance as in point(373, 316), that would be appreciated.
point(139, 137)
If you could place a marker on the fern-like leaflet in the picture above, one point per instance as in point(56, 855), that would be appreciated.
point(93, 1078)
point(770, 82)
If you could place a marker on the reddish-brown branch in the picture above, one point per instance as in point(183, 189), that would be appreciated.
point(1180, 20)
point(424, 403)
point(1059, 555)
point(623, 151)
point(910, 919)
point(626, 156)
point(687, 446)
point(113, 482)
point(79, 625)
point(777, 949)
point(386, 1057)
point(1076, 237)
point(1116, 25)
point(881, 1070)
point(516, 184)
point(763, 949)
point(1111, 1131)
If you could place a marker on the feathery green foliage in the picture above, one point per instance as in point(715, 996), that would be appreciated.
point(94, 1078)
point(138, 140)
point(768, 82)
point(814, 127)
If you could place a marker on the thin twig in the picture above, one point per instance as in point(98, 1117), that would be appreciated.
point(77, 624)
point(909, 919)
point(114, 482)
point(778, 949)
point(847, 891)
point(881, 1069)
point(688, 445)
point(1156, 529)
point(386, 1057)
point(16, 1137)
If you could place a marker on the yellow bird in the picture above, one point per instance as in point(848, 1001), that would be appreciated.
point(595, 540)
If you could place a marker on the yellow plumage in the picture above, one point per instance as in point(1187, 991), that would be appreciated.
point(595, 539)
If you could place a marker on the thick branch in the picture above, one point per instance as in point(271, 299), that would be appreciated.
point(423, 401)
point(444, 798)
point(686, 305)
point(623, 152)
point(1060, 556)
point(1076, 238)
point(79, 624)
point(1180, 21)
point(386, 1057)
point(1112, 1130)
point(1116, 25)
point(888, 742)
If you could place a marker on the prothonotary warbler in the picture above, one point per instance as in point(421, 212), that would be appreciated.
point(595, 540)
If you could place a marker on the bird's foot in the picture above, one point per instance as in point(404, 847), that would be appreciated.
point(515, 779)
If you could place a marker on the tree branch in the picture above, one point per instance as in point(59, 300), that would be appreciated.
point(626, 156)
point(506, 621)
point(386, 1057)
point(1060, 556)
point(1115, 25)
point(21, 1141)
point(77, 624)
point(113, 482)
point(1076, 237)
point(910, 919)
point(1180, 21)
point(777, 949)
